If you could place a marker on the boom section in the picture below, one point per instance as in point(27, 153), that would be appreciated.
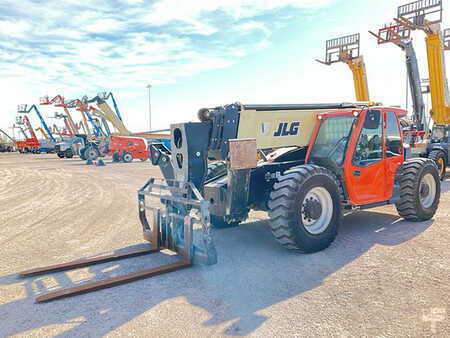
point(346, 49)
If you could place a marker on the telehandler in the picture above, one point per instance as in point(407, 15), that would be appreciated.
point(331, 159)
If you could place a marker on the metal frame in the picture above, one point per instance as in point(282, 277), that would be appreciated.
point(394, 33)
point(421, 12)
point(446, 37)
point(22, 108)
point(344, 48)
point(172, 226)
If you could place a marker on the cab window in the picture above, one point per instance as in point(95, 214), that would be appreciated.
point(369, 148)
point(332, 138)
point(393, 138)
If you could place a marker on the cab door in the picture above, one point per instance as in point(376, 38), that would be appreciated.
point(364, 169)
point(393, 150)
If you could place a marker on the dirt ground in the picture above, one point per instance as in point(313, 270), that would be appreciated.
point(381, 277)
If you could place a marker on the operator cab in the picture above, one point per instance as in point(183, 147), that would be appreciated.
point(440, 133)
point(363, 147)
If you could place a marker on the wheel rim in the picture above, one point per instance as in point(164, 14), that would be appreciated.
point(317, 210)
point(441, 165)
point(427, 190)
point(127, 158)
point(90, 154)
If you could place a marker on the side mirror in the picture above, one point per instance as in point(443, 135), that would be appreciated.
point(372, 120)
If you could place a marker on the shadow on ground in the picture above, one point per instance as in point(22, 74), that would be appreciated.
point(253, 273)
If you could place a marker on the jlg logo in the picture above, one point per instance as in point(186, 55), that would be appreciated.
point(285, 130)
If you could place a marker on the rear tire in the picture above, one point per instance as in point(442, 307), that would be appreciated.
point(61, 155)
point(127, 157)
point(116, 157)
point(305, 208)
point(420, 189)
point(439, 157)
point(68, 153)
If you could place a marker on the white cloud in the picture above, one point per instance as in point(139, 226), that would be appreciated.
point(103, 25)
point(14, 29)
point(251, 26)
point(78, 47)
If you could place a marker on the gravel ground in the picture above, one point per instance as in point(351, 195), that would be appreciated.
point(381, 277)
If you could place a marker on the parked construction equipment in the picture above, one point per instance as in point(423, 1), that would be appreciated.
point(30, 143)
point(427, 16)
point(400, 35)
point(8, 146)
point(71, 146)
point(330, 160)
point(128, 148)
point(91, 142)
point(122, 145)
point(46, 145)
point(337, 158)
point(346, 49)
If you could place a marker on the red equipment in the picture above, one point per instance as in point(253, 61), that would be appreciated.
point(127, 148)
point(30, 144)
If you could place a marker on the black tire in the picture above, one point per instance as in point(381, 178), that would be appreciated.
point(216, 169)
point(91, 153)
point(82, 154)
point(68, 153)
point(287, 208)
point(116, 157)
point(37, 151)
point(127, 157)
point(60, 155)
point(439, 157)
point(412, 206)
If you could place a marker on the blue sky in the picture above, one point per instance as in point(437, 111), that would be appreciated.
point(196, 53)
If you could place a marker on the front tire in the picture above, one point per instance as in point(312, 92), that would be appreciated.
point(440, 158)
point(60, 155)
point(420, 189)
point(305, 208)
point(127, 157)
point(91, 154)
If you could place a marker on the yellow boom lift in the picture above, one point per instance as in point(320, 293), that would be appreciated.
point(346, 49)
point(105, 111)
point(427, 16)
point(43, 133)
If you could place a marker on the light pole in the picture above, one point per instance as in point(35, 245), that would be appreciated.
point(149, 86)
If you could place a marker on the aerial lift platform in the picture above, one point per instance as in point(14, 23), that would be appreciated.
point(30, 142)
point(47, 145)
